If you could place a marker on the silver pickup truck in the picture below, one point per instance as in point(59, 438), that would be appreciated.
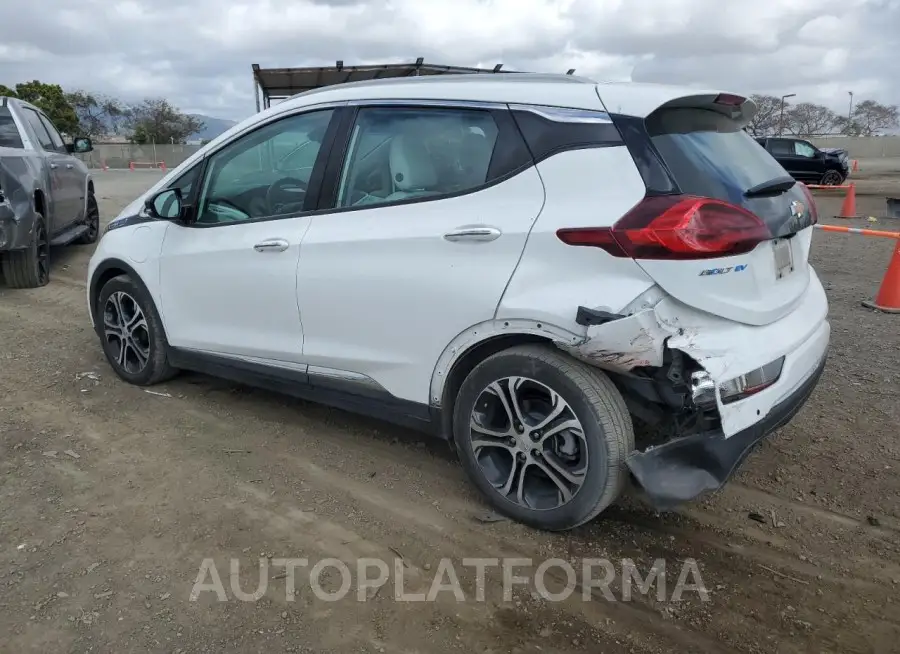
point(46, 194)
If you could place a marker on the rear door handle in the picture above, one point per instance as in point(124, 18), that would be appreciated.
point(272, 245)
point(69, 166)
point(53, 166)
point(473, 234)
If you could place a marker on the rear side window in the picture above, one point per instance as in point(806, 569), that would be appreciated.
point(401, 154)
point(9, 133)
point(39, 130)
point(782, 148)
point(709, 155)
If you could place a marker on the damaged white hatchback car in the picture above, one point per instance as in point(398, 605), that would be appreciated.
point(534, 267)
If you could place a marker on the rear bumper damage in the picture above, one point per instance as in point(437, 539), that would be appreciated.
point(682, 469)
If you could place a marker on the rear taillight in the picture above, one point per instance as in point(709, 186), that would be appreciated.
point(675, 227)
point(811, 202)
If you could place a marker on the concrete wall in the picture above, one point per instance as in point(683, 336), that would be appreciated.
point(863, 147)
point(119, 155)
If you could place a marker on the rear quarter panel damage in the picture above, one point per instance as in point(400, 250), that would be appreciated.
point(724, 348)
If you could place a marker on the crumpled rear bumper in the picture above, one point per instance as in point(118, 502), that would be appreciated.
point(682, 469)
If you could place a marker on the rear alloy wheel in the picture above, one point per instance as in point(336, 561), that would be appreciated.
point(543, 436)
point(131, 333)
point(832, 178)
point(92, 220)
point(29, 268)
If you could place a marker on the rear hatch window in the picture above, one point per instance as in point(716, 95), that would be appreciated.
point(709, 155)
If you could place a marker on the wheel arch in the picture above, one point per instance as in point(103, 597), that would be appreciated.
point(40, 202)
point(476, 344)
point(105, 271)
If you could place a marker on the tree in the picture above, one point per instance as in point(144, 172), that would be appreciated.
point(157, 121)
point(6, 91)
point(869, 118)
point(51, 99)
point(97, 114)
point(809, 119)
point(768, 113)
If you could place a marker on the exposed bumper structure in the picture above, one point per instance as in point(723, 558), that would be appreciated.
point(682, 469)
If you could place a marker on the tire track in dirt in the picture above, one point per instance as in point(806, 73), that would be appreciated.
point(270, 415)
point(407, 522)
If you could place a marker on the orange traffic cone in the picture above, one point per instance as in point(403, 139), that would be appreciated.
point(848, 209)
point(888, 298)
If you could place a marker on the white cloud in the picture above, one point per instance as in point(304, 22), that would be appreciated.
point(197, 53)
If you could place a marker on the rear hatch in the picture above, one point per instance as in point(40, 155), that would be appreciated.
point(743, 245)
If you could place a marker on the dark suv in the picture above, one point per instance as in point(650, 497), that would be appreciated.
point(807, 163)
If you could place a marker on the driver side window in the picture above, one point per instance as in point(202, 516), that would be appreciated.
point(804, 149)
point(265, 173)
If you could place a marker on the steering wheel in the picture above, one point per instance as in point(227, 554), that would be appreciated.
point(291, 191)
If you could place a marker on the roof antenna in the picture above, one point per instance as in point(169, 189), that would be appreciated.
point(571, 71)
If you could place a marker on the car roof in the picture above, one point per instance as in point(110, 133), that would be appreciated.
point(572, 91)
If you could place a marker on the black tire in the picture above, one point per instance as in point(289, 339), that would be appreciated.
point(599, 407)
point(152, 338)
point(29, 268)
point(92, 220)
point(832, 178)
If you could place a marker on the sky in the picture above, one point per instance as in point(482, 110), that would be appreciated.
point(197, 53)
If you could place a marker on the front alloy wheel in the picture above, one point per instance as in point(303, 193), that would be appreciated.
point(126, 332)
point(132, 333)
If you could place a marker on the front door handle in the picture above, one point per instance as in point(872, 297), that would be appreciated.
point(272, 245)
point(53, 166)
point(473, 234)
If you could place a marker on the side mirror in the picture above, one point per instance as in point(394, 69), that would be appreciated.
point(82, 145)
point(166, 205)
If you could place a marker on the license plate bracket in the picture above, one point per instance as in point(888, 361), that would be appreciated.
point(784, 258)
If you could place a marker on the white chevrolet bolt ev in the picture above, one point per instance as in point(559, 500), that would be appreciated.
point(534, 267)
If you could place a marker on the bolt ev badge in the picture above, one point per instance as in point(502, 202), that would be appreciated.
point(722, 271)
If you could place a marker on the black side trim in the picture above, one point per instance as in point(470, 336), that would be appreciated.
point(337, 393)
point(591, 317)
point(656, 176)
point(684, 468)
point(326, 198)
point(316, 179)
point(546, 137)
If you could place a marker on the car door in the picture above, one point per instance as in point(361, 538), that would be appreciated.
point(809, 162)
point(60, 207)
point(414, 243)
point(783, 151)
point(228, 277)
point(73, 177)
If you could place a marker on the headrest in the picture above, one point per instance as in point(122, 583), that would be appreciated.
point(411, 165)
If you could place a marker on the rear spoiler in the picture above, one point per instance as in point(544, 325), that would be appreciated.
point(641, 100)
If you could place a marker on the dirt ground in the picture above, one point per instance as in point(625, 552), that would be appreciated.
point(112, 497)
